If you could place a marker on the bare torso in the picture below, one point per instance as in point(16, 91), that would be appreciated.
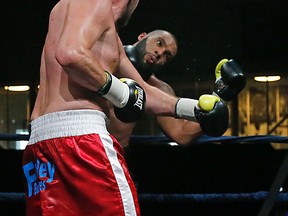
point(58, 91)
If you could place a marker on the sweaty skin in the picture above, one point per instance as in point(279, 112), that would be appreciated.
point(79, 47)
point(158, 49)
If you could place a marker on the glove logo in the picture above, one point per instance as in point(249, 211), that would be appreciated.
point(139, 97)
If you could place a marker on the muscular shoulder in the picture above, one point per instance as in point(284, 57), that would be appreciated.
point(160, 84)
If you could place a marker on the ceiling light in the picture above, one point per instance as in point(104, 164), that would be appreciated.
point(267, 78)
point(17, 88)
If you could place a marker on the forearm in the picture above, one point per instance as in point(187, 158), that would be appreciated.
point(159, 102)
point(82, 68)
point(81, 32)
point(179, 130)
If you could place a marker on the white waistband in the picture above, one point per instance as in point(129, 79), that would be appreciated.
point(67, 123)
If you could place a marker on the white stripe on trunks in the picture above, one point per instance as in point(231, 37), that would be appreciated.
point(125, 191)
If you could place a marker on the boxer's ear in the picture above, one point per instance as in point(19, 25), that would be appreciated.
point(141, 36)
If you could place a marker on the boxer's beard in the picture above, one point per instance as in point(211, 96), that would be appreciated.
point(141, 51)
point(123, 20)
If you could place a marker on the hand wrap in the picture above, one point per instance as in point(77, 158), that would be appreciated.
point(127, 96)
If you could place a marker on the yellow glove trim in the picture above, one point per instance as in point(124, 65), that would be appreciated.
point(207, 102)
point(218, 68)
point(127, 79)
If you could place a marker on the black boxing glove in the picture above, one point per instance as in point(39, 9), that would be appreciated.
point(230, 79)
point(127, 96)
point(143, 69)
point(209, 111)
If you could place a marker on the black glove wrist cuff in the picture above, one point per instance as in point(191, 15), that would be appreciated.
point(107, 85)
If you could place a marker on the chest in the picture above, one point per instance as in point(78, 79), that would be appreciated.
point(107, 51)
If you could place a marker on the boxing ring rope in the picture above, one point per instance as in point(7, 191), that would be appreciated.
point(163, 139)
point(270, 197)
point(162, 198)
point(14, 137)
point(223, 139)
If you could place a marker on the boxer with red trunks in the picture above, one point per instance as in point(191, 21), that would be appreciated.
point(72, 165)
point(76, 167)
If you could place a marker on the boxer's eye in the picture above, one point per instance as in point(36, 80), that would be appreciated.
point(159, 43)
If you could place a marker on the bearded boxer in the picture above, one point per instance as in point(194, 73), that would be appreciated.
point(72, 164)
point(151, 52)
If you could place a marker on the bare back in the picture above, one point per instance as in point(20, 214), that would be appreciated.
point(68, 86)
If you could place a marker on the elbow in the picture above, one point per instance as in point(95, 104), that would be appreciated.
point(186, 140)
point(68, 57)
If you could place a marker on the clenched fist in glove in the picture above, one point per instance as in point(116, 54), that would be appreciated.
point(127, 96)
point(209, 111)
point(230, 79)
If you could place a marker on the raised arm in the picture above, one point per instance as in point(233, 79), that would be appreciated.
point(82, 30)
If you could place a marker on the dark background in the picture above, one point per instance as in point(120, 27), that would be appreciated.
point(254, 32)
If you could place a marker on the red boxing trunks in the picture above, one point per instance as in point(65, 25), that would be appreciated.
point(73, 166)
